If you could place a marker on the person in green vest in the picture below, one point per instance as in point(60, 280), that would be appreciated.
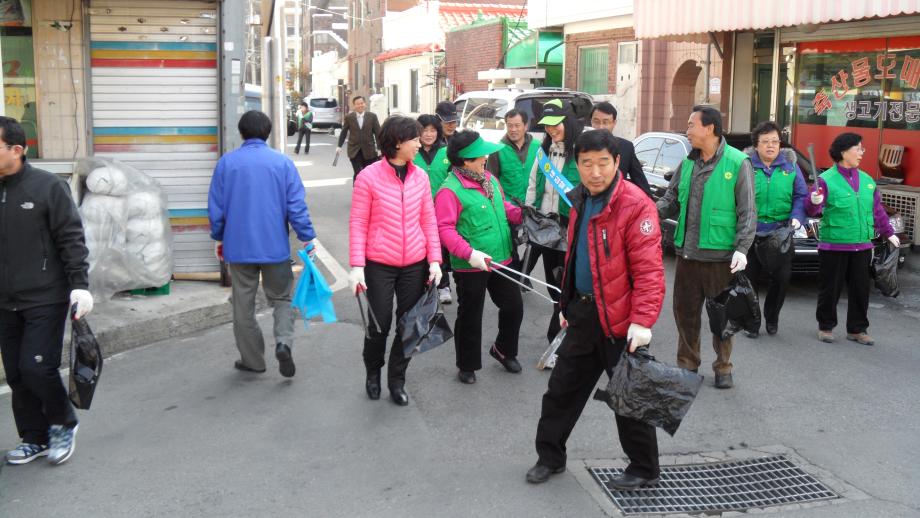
point(432, 158)
point(304, 127)
point(712, 196)
point(779, 192)
point(562, 129)
point(513, 164)
point(851, 213)
point(473, 224)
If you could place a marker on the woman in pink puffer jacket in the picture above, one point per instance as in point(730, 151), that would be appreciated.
point(393, 247)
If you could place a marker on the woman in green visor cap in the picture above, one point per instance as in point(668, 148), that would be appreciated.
point(473, 224)
point(562, 128)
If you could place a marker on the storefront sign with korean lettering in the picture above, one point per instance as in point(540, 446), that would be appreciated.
point(859, 75)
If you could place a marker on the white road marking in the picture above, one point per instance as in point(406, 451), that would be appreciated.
point(328, 182)
point(336, 269)
point(312, 144)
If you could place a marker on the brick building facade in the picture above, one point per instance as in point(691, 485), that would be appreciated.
point(609, 38)
point(470, 50)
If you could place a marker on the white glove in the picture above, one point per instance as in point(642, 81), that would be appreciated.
point(84, 302)
point(638, 336)
point(338, 149)
point(478, 260)
point(796, 224)
point(563, 323)
point(219, 251)
point(893, 239)
point(817, 197)
point(356, 279)
point(434, 273)
point(739, 262)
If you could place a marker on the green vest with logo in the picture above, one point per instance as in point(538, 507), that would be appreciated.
point(570, 171)
point(514, 173)
point(847, 216)
point(773, 194)
point(482, 222)
point(437, 170)
point(718, 220)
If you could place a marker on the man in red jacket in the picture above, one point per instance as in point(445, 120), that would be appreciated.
point(612, 291)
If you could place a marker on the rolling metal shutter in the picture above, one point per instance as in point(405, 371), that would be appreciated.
point(155, 105)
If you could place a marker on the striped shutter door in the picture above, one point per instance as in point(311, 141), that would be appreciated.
point(155, 105)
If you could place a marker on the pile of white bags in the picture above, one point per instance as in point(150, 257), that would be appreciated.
point(127, 228)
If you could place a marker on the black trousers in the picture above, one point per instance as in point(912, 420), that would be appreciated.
point(839, 269)
point(303, 134)
point(777, 283)
point(471, 296)
point(384, 282)
point(445, 269)
point(583, 355)
point(31, 342)
point(358, 163)
point(552, 260)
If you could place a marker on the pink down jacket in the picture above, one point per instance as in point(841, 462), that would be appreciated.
point(392, 222)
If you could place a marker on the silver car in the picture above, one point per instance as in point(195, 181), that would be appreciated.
point(326, 112)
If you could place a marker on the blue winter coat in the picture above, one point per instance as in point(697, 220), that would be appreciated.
point(255, 193)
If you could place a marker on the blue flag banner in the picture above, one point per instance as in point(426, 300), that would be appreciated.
point(558, 181)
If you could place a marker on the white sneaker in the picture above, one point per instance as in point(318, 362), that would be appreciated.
point(444, 296)
point(26, 453)
point(63, 441)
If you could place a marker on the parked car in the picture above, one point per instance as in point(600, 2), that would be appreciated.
point(484, 111)
point(661, 154)
point(326, 112)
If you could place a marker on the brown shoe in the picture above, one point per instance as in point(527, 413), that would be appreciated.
point(825, 336)
point(862, 338)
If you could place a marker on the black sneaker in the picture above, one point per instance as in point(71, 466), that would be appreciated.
point(510, 364)
point(63, 441)
point(285, 360)
point(26, 453)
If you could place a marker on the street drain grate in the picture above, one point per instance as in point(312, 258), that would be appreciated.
point(723, 486)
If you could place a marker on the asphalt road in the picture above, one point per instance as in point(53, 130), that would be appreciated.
point(175, 431)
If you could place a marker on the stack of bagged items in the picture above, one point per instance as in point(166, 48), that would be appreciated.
point(127, 228)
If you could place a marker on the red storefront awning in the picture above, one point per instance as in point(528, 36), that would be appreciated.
point(662, 18)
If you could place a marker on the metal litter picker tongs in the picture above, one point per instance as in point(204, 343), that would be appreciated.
point(497, 267)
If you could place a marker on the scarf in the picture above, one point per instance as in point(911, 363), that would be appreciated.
point(479, 178)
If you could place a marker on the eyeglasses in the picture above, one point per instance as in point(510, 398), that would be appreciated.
point(770, 142)
point(858, 149)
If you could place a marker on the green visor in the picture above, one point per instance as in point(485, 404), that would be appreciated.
point(479, 148)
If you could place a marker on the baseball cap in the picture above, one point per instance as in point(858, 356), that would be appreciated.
point(446, 111)
point(554, 112)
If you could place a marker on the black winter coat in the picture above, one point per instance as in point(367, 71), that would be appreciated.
point(42, 247)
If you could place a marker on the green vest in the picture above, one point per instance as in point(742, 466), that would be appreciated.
point(482, 222)
point(570, 171)
point(847, 217)
point(773, 195)
point(718, 220)
point(514, 173)
point(437, 170)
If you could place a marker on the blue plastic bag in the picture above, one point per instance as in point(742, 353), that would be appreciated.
point(312, 296)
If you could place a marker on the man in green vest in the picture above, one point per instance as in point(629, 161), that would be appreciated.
point(779, 192)
point(513, 163)
point(712, 195)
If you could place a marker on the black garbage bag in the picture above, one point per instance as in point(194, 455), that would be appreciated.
point(734, 309)
point(85, 364)
point(650, 391)
point(884, 269)
point(424, 326)
point(544, 229)
point(774, 249)
point(291, 128)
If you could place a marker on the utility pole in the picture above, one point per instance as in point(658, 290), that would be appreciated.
point(273, 98)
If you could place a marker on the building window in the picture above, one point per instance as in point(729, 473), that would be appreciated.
point(394, 97)
point(18, 58)
point(371, 75)
point(413, 91)
point(628, 53)
point(292, 57)
point(357, 78)
point(592, 69)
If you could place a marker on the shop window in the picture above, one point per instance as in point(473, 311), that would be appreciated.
point(18, 68)
point(592, 69)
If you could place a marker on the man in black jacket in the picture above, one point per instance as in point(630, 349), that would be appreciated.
point(43, 273)
point(604, 117)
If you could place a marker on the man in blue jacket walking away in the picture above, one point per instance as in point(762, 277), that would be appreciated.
point(255, 193)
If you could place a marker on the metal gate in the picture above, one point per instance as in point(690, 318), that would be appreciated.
point(155, 105)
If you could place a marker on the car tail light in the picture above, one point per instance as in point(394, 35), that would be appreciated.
point(337, 109)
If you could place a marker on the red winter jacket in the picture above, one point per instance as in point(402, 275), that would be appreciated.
point(392, 222)
point(625, 256)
